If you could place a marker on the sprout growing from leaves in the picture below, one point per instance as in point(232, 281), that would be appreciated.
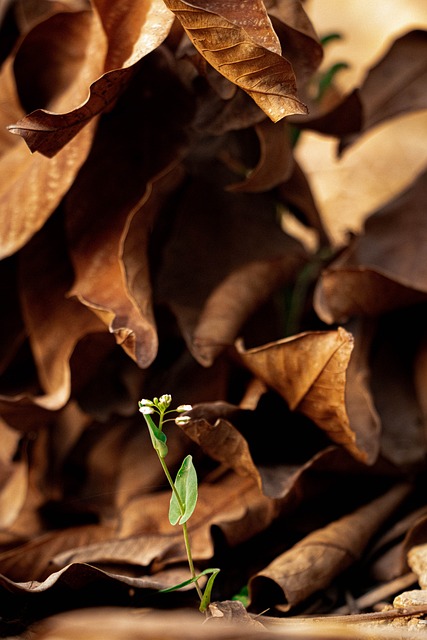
point(185, 488)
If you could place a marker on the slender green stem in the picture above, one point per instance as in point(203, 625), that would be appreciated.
point(190, 558)
point(172, 484)
point(184, 525)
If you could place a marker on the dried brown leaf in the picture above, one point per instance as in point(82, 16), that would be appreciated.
point(220, 440)
point(359, 401)
point(383, 268)
point(111, 267)
point(310, 372)
point(31, 186)
point(313, 562)
point(13, 491)
point(239, 41)
point(54, 323)
point(300, 43)
point(32, 560)
point(132, 31)
point(234, 505)
point(393, 388)
point(392, 87)
point(395, 85)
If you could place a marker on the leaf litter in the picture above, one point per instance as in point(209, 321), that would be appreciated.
point(144, 250)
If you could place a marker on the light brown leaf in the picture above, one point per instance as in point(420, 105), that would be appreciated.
point(133, 31)
point(383, 268)
point(31, 186)
point(317, 559)
point(244, 49)
point(32, 560)
point(13, 477)
point(310, 372)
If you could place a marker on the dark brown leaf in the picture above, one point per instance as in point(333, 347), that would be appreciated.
point(238, 275)
point(394, 86)
point(383, 268)
point(300, 43)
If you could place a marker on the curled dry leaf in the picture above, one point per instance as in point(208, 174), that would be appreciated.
point(359, 401)
point(54, 323)
point(132, 31)
point(383, 268)
point(102, 254)
point(13, 477)
point(310, 372)
point(312, 563)
point(239, 41)
point(275, 163)
point(394, 86)
point(33, 559)
point(31, 186)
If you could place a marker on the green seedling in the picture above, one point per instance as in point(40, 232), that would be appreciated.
point(184, 489)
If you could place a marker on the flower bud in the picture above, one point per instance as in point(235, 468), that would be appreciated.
point(145, 403)
point(165, 400)
point(181, 420)
point(183, 407)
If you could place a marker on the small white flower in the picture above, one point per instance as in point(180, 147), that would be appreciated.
point(181, 420)
point(146, 410)
point(183, 407)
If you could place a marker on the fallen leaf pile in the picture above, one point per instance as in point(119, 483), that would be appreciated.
point(158, 235)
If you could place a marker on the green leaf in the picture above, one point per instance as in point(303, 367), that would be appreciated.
point(158, 437)
point(189, 581)
point(186, 488)
point(207, 594)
